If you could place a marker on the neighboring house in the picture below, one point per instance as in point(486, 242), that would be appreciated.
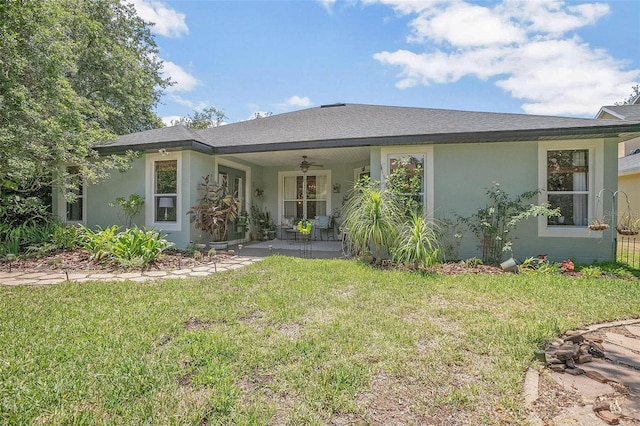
point(628, 158)
point(462, 153)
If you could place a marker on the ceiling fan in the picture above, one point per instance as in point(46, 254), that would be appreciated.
point(304, 165)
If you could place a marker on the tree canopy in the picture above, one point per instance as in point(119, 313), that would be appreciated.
point(73, 74)
point(208, 117)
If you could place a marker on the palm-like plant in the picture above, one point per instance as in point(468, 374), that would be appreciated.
point(417, 244)
point(373, 218)
point(215, 209)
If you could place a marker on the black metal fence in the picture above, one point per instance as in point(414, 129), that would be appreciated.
point(628, 250)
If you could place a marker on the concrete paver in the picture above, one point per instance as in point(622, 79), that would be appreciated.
point(16, 278)
point(621, 368)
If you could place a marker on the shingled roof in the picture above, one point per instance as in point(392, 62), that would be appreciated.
point(341, 125)
point(621, 112)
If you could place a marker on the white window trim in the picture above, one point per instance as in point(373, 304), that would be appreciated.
point(427, 151)
point(149, 192)
point(282, 175)
point(62, 207)
point(596, 184)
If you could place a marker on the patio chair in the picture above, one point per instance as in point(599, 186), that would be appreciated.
point(325, 224)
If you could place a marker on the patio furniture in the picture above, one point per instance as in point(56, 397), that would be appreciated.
point(324, 224)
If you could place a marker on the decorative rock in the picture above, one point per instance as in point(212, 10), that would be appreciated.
point(559, 368)
point(595, 351)
point(567, 351)
point(570, 363)
point(574, 371)
point(584, 359)
point(553, 360)
point(577, 338)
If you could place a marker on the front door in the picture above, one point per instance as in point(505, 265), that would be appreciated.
point(234, 180)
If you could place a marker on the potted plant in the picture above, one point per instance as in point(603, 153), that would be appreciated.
point(243, 217)
point(213, 212)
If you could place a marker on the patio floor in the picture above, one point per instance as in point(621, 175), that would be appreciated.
point(314, 249)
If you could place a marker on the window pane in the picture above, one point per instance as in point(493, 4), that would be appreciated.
point(165, 208)
point(321, 187)
point(74, 210)
point(406, 179)
point(166, 176)
point(289, 187)
point(316, 208)
point(573, 209)
point(567, 170)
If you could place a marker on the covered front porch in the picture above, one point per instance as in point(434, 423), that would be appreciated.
point(279, 190)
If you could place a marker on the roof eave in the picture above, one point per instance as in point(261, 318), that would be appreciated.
point(438, 138)
point(154, 146)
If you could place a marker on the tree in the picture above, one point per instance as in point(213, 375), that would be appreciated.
point(74, 74)
point(208, 117)
point(633, 97)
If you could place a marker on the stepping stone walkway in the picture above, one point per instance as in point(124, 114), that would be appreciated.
point(609, 389)
point(47, 278)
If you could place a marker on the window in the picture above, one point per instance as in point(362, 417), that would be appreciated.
point(568, 186)
point(163, 185)
point(408, 171)
point(570, 174)
point(305, 195)
point(74, 211)
point(406, 179)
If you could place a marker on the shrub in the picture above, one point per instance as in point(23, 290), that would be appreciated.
point(138, 245)
point(99, 242)
point(373, 218)
point(134, 247)
point(417, 244)
point(493, 223)
point(128, 208)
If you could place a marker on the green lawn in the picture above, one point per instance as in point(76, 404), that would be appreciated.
point(289, 341)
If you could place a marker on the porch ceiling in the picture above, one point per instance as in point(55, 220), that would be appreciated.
point(293, 158)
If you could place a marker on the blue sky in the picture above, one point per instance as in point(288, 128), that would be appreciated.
point(546, 57)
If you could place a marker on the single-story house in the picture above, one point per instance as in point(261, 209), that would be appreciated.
point(628, 158)
point(573, 162)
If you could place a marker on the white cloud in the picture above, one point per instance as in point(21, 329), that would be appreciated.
point(464, 25)
point(194, 105)
point(521, 45)
point(327, 4)
point(184, 81)
point(168, 121)
point(297, 101)
point(167, 22)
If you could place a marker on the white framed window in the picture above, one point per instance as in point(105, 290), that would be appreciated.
point(304, 195)
point(410, 167)
point(163, 191)
point(75, 212)
point(570, 174)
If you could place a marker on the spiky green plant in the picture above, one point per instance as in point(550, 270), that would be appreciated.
point(417, 244)
point(373, 218)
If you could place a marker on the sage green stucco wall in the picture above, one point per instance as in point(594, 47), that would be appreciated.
point(119, 185)
point(463, 172)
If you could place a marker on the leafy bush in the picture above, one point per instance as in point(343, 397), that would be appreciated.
point(138, 245)
point(417, 244)
point(17, 239)
point(128, 208)
point(99, 242)
point(493, 223)
point(134, 247)
point(67, 237)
